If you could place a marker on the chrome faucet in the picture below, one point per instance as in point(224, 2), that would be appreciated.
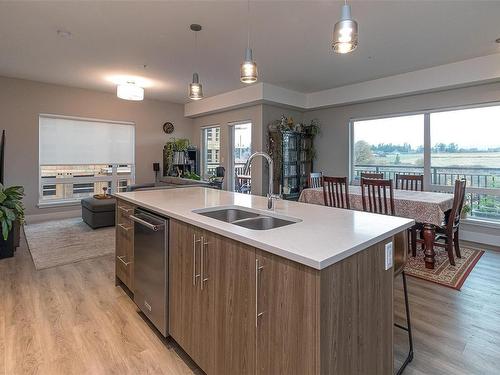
point(270, 196)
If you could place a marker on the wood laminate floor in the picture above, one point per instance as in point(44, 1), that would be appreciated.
point(73, 320)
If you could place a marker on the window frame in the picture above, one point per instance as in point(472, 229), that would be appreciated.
point(203, 144)
point(428, 185)
point(115, 178)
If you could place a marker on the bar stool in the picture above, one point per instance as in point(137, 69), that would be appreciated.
point(400, 258)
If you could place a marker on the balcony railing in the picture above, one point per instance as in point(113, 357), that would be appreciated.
point(483, 184)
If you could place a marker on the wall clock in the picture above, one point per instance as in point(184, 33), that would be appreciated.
point(168, 128)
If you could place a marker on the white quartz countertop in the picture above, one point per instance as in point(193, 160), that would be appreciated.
point(324, 235)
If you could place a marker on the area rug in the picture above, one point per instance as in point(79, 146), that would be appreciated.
point(444, 273)
point(58, 242)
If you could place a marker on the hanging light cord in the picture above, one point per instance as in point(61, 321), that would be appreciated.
point(248, 22)
point(196, 51)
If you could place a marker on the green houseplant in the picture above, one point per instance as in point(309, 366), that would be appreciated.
point(173, 150)
point(11, 214)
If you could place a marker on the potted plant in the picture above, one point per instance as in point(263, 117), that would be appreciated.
point(11, 217)
point(466, 209)
point(175, 152)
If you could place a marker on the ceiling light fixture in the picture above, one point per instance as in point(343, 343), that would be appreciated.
point(195, 88)
point(345, 32)
point(248, 71)
point(130, 91)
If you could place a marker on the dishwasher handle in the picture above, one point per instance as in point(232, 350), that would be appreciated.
point(154, 227)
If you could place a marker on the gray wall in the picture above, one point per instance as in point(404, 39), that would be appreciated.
point(21, 102)
point(332, 145)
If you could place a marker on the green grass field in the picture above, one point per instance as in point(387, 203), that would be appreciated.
point(473, 159)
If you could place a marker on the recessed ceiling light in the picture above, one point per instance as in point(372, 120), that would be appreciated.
point(64, 34)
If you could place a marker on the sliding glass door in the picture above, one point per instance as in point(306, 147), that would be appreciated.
point(442, 145)
point(241, 149)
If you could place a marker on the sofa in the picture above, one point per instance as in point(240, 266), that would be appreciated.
point(170, 183)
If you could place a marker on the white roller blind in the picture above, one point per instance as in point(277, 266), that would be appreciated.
point(74, 141)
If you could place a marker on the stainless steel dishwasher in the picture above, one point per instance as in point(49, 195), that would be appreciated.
point(151, 267)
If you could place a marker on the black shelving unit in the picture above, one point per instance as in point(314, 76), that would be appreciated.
point(293, 161)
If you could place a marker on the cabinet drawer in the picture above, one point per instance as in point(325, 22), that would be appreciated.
point(124, 251)
point(123, 212)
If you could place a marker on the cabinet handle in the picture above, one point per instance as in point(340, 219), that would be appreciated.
point(120, 258)
point(257, 271)
point(202, 260)
point(124, 227)
point(124, 209)
point(194, 259)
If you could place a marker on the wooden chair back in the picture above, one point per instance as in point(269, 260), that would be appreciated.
point(377, 176)
point(377, 196)
point(336, 192)
point(458, 203)
point(413, 182)
point(315, 180)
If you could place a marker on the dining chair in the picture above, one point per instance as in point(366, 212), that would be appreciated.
point(447, 235)
point(376, 199)
point(377, 196)
point(315, 180)
point(414, 182)
point(240, 186)
point(336, 192)
point(374, 175)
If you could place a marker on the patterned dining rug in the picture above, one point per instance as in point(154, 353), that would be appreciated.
point(58, 242)
point(444, 273)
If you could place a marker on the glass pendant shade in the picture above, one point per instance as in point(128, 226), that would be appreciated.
point(248, 71)
point(130, 91)
point(345, 32)
point(195, 88)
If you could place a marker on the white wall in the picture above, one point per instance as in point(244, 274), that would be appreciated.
point(21, 102)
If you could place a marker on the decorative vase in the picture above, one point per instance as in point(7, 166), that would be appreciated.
point(7, 246)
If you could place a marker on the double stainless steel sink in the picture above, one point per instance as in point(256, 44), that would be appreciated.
point(247, 218)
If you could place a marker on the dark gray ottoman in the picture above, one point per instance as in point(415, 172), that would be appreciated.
point(98, 213)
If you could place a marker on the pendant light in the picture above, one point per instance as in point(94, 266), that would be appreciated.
point(248, 71)
point(195, 88)
point(345, 32)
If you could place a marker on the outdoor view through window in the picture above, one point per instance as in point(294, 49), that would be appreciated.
point(462, 143)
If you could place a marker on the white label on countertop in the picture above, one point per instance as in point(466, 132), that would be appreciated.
point(388, 255)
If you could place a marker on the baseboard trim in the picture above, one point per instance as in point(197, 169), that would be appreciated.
point(38, 218)
point(486, 236)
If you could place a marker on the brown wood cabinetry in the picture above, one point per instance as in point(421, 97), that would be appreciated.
point(124, 259)
point(239, 310)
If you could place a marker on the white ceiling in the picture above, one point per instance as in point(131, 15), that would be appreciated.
point(291, 41)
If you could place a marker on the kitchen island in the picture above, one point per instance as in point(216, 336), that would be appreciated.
point(311, 297)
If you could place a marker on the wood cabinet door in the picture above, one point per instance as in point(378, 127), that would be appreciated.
point(184, 287)
point(287, 326)
point(124, 244)
point(234, 314)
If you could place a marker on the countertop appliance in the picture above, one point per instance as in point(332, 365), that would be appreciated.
point(151, 267)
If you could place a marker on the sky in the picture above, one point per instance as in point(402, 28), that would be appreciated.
point(469, 128)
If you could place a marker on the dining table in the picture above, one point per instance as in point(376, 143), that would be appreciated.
point(425, 207)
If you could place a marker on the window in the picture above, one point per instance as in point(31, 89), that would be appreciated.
point(465, 143)
point(392, 145)
point(210, 148)
point(459, 143)
point(241, 142)
point(79, 157)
